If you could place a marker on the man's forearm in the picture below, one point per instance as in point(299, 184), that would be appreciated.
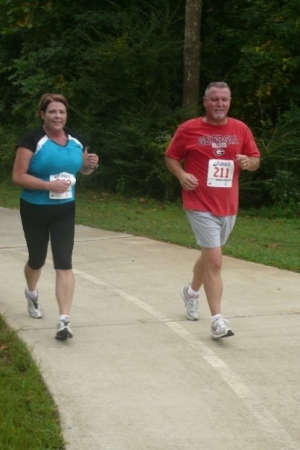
point(174, 166)
point(254, 164)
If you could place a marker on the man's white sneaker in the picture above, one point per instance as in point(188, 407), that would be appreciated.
point(219, 328)
point(64, 331)
point(33, 306)
point(190, 303)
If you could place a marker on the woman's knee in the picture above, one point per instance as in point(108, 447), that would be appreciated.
point(35, 264)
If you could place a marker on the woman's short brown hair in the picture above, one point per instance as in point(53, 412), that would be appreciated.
point(50, 97)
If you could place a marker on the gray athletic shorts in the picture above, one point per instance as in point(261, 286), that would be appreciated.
point(210, 231)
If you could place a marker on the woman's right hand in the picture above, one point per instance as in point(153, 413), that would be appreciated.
point(59, 186)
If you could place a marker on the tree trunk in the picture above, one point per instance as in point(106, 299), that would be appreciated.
point(191, 56)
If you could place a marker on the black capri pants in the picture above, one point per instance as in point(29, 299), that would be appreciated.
point(43, 222)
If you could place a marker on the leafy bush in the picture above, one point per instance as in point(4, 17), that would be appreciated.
point(8, 138)
point(277, 182)
point(131, 154)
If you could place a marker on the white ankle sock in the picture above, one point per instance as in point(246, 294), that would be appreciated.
point(216, 317)
point(191, 292)
point(64, 317)
point(33, 294)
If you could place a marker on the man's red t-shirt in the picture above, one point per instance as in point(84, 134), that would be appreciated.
point(209, 152)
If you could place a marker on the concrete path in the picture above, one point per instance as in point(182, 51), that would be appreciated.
point(138, 375)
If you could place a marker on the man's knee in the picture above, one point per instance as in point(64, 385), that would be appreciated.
point(212, 259)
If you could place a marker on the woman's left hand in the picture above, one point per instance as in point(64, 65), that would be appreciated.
point(93, 160)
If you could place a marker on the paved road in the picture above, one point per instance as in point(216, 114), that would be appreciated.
point(137, 375)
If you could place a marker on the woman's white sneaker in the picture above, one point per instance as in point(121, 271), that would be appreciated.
point(219, 328)
point(33, 306)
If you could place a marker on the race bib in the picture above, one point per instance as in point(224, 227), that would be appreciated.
point(68, 193)
point(220, 173)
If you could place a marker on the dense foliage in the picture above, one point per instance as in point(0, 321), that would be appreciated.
point(120, 63)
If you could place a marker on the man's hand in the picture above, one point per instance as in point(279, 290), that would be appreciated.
point(247, 163)
point(188, 181)
point(243, 161)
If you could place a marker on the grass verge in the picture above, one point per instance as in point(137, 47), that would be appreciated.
point(28, 416)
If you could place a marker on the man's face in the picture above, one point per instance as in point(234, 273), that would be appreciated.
point(217, 104)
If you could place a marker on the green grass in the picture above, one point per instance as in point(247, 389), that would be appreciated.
point(28, 416)
point(261, 237)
